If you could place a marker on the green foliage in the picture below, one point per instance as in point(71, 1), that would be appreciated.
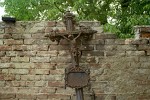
point(126, 13)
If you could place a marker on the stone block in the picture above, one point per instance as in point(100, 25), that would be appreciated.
point(20, 59)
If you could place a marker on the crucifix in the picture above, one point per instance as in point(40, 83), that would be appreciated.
point(75, 76)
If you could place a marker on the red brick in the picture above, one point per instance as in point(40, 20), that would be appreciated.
point(9, 77)
point(51, 23)
point(48, 29)
point(56, 84)
point(7, 36)
point(5, 48)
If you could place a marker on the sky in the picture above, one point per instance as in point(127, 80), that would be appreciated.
point(1, 11)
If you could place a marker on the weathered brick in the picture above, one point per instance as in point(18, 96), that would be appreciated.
point(39, 47)
point(60, 59)
point(42, 96)
point(12, 41)
point(7, 96)
point(18, 83)
point(148, 52)
point(39, 59)
point(144, 47)
point(40, 71)
point(126, 47)
point(18, 36)
point(21, 47)
point(2, 83)
point(59, 47)
point(20, 59)
point(30, 77)
point(23, 65)
point(135, 53)
point(140, 41)
point(5, 48)
point(40, 83)
point(4, 59)
point(2, 30)
point(56, 84)
point(51, 23)
point(25, 96)
point(28, 90)
point(30, 83)
point(52, 77)
point(57, 96)
point(47, 90)
point(47, 53)
point(1, 42)
point(9, 77)
point(2, 53)
point(44, 66)
point(57, 72)
point(38, 36)
point(19, 71)
point(93, 53)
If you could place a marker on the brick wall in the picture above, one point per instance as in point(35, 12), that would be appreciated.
point(32, 66)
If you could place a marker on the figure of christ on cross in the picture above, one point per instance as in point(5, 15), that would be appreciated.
point(74, 50)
